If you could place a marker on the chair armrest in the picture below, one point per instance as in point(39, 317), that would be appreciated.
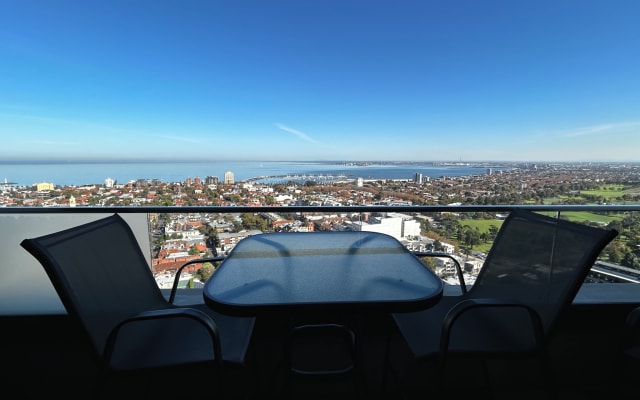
point(463, 285)
point(465, 305)
point(166, 314)
point(176, 280)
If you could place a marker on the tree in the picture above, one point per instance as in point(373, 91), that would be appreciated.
point(614, 252)
point(470, 236)
point(205, 271)
point(493, 232)
point(429, 262)
point(630, 260)
point(437, 245)
point(253, 221)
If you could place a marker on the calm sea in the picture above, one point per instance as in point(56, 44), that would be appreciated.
point(78, 174)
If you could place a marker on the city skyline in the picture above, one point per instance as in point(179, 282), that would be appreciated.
point(318, 81)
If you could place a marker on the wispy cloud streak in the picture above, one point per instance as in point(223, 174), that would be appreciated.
point(602, 129)
point(299, 134)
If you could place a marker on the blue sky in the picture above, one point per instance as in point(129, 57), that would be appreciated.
point(320, 80)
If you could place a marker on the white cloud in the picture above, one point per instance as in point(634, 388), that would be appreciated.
point(299, 134)
point(602, 129)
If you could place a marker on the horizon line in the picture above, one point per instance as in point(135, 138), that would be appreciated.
point(186, 160)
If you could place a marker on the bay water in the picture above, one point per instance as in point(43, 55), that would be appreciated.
point(88, 173)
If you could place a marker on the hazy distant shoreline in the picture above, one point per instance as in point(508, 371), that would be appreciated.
point(482, 163)
point(78, 173)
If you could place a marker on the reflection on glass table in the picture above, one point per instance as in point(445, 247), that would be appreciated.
point(350, 270)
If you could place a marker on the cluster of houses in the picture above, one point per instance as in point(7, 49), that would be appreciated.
point(190, 243)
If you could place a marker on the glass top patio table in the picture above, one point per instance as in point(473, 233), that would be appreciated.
point(346, 270)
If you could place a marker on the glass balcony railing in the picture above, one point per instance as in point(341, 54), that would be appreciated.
point(171, 236)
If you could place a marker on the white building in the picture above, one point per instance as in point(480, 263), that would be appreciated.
point(228, 178)
point(396, 225)
point(448, 248)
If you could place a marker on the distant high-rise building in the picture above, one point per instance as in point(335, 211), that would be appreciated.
point(417, 178)
point(109, 182)
point(359, 182)
point(43, 186)
point(228, 178)
point(211, 180)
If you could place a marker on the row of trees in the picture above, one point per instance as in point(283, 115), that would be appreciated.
point(624, 250)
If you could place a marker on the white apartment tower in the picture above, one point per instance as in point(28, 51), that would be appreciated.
point(228, 178)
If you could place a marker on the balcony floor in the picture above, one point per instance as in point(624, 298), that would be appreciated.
point(46, 356)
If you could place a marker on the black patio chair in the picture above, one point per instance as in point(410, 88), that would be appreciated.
point(529, 278)
point(143, 344)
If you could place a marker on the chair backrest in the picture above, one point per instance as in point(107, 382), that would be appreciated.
point(100, 274)
point(540, 261)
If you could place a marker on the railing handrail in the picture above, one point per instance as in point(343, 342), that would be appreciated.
point(311, 209)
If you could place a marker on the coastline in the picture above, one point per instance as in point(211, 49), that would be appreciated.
point(91, 173)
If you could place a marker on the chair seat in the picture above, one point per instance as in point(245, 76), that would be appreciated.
point(235, 334)
point(503, 331)
point(421, 330)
